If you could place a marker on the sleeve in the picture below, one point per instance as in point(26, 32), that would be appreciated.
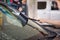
point(19, 5)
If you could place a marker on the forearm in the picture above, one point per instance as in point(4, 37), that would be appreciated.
point(54, 22)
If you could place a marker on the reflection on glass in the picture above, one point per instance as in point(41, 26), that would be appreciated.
point(10, 18)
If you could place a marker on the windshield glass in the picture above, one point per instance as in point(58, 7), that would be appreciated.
point(13, 29)
point(16, 26)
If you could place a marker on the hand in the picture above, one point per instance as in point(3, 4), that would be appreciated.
point(43, 20)
point(20, 9)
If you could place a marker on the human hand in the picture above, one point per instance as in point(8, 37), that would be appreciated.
point(20, 9)
point(42, 20)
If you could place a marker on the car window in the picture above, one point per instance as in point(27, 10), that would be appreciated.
point(14, 27)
